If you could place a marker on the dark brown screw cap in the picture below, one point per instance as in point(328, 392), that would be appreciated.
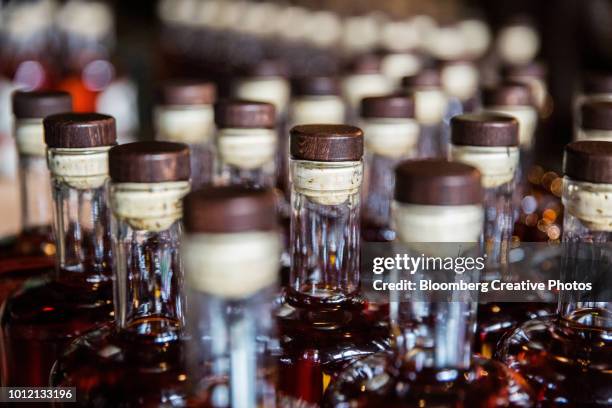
point(533, 69)
point(596, 114)
point(327, 143)
point(437, 182)
point(229, 209)
point(597, 83)
point(389, 106)
point(484, 129)
point(35, 105)
point(79, 130)
point(511, 93)
point(315, 86)
point(427, 78)
point(268, 68)
point(365, 64)
point(149, 162)
point(589, 161)
point(188, 92)
point(245, 114)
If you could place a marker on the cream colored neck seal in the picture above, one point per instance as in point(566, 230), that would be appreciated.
point(273, 90)
point(317, 109)
point(191, 124)
point(246, 149)
point(327, 183)
point(594, 134)
point(430, 105)
point(527, 117)
point(589, 202)
point(391, 137)
point(85, 168)
point(29, 137)
point(232, 266)
point(460, 80)
point(148, 206)
point(497, 164)
point(358, 86)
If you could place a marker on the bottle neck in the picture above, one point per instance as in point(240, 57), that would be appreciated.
point(587, 232)
point(82, 218)
point(147, 267)
point(325, 237)
point(247, 157)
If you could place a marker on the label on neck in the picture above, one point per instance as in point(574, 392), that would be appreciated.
point(589, 202)
point(391, 137)
point(193, 124)
point(149, 206)
point(317, 109)
point(272, 90)
point(497, 164)
point(430, 105)
point(29, 137)
point(594, 134)
point(326, 183)
point(416, 223)
point(527, 118)
point(232, 266)
point(84, 168)
point(460, 80)
point(247, 149)
point(357, 87)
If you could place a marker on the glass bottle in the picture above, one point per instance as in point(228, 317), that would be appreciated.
point(233, 346)
point(41, 319)
point(246, 143)
point(324, 321)
point(139, 360)
point(363, 78)
point(31, 251)
point(431, 361)
point(185, 115)
point(316, 100)
point(431, 107)
point(566, 357)
point(391, 134)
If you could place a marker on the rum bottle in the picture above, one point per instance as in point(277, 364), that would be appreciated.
point(391, 134)
point(566, 357)
point(185, 114)
point(325, 322)
point(139, 360)
point(39, 321)
point(437, 209)
point(231, 253)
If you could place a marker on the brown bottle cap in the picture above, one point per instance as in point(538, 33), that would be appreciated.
point(437, 182)
point(327, 143)
point(268, 68)
point(511, 93)
point(79, 130)
point(589, 161)
point(484, 129)
point(35, 105)
point(534, 69)
point(235, 113)
point(597, 83)
point(427, 78)
point(230, 209)
point(149, 162)
point(596, 114)
point(365, 64)
point(316, 86)
point(188, 92)
point(389, 106)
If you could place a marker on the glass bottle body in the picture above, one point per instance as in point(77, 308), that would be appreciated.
point(325, 323)
point(42, 318)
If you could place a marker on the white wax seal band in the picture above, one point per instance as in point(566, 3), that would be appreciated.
point(460, 80)
point(430, 105)
point(497, 164)
point(326, 183)
point(357, 87)
point(82, 168)
point(589, 202)
point(246, 148)
point(29, 137)
point(233, 266)
point(595, 135)
point(527, 117)
point(272, 90)
point(193, 124)
point(390, 137)
point(415, 223)
point(317, 109)
point(148, 206)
